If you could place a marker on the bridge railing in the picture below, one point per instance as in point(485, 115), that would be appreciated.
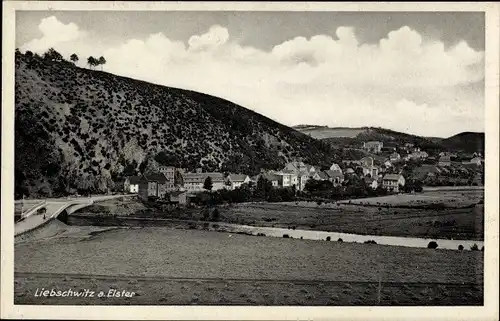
point(32, 209)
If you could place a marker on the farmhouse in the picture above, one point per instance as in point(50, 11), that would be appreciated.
point(391, 182)
point(335, 176)
point(234, 181)
point(131, 184)
point(152, 185)
point(179, 197)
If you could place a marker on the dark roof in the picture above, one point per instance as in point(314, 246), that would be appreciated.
point(237, 177)
point(392, 177)
point(134, 179)
point(332, 174)
point(177, 193)
point(156, 177)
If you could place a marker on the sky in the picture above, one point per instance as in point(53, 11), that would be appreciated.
point(420, 72)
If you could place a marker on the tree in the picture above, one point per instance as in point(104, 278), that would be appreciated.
point(101, 61)
point(28, 54)
point(208, 184)
point(52, 55)
point(92, 62)
point(263, 188)
point(73, 58)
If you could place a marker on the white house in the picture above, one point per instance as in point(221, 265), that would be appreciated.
point(335, 167)
point(234, 181)
point(131, 184)
point(391, 182)
point(193, 182)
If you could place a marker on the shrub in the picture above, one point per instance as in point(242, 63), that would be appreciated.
point(370, 242)
point(460, 247)
point(432, 245)
point(206, 214)
point(328, 238)
point(340, 240)
point(286, 236)
point(215, 215)
point(474, 247)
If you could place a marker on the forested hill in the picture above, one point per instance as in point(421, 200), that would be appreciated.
point(81, 129)
point(466, 141)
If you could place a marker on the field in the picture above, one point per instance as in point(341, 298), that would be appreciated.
point(169, 266)
point(326, 132)
point(450, 198)
point(461, 215)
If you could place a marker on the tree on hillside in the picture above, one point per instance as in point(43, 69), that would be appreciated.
point(52, 55)
point(208, 184)
point(101, 61)
point(167, 159)
point(28, 54)
point(73, 58)
point(92, 62)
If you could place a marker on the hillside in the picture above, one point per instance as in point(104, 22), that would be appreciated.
point(80, 129)
point(354, 137)
point(468, 142)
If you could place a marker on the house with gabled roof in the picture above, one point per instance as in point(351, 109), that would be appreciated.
point(131, 184)
point(194, 182)
point(152, 185)
point(234, 181)
point(391, 182)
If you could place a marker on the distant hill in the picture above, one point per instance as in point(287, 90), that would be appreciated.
point(349, 137)
point(80, 129)
point(467, 141)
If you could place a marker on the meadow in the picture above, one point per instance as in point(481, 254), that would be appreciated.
point(170, 266)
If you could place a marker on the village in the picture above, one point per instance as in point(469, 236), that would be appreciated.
point(388, 170)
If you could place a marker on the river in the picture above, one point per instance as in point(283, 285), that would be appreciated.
point(273, 231)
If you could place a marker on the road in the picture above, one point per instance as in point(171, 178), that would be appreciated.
point(55, 206)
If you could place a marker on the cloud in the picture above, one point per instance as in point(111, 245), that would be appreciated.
point(402, 82)
point(215, 37)
point(53, 32)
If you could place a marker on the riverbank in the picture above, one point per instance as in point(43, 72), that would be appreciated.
point(128, 221)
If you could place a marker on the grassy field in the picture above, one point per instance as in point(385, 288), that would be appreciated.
point(449, 198)
point(455, 220)
point(169, 266)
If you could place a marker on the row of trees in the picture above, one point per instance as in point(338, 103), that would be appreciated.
point(54, 56)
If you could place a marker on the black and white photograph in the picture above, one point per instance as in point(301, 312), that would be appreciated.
point(260, 158)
